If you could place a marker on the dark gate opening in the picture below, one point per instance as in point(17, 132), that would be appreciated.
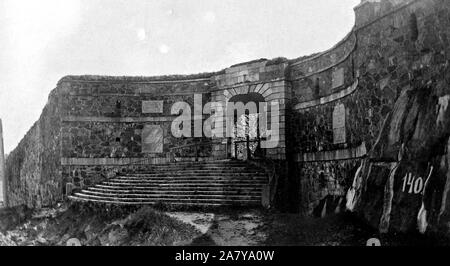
point(246, 142)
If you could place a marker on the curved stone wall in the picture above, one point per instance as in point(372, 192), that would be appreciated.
point(325, 73)
point(370, 67)
point(401, 46)
point(333, 106)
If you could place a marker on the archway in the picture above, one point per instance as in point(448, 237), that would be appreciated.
point(246, 140)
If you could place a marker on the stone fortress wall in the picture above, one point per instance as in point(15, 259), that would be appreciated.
point(33, 169)
point(342, 96)
point(377, 120)
point(333, 108)
point(114, 124)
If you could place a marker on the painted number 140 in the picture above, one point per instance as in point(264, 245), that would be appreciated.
point(415, 185)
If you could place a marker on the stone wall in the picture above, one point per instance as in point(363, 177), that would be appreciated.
point(325, 73)
point(122, 118)
point(267, 78)
point(390, 48)
point(33, 169)
point(408, 191)
point(322, 181)
point(340, 116)
point(405, 176)
point(398, 110)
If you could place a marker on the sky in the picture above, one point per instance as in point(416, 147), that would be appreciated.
point(42, 41)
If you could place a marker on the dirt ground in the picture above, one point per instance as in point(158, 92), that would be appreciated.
point(106, 226)
point(263, 228)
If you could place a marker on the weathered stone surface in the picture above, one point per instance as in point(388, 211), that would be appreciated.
point(35, 176)
point(388, 143)
point(394, 86)
point(152, 107)
point(339, 133)
point(338, 78)
point(373, 179)
point(318, 180)
point(443, 217)
point(33, 170)
point(2, 167)
point(117, 236)
point(415, 184)
point(398, 109)
point(152, 139)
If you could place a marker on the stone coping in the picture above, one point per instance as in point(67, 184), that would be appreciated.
point(138, 79)
point(336, 155)
point(244, 84)
point(388, 13)
point(342, 60)
point(102, 119)
point(302, 60)
point(306, 59)
point(136, 94)
point(252, 62)
point(329, 98)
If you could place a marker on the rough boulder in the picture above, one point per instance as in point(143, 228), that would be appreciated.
point(404, 183)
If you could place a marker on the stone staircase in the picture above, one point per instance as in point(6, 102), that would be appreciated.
point(195, 184)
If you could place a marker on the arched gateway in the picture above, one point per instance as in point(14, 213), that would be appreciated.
point(245, 142)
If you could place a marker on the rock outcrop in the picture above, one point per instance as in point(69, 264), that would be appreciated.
point(404, 183)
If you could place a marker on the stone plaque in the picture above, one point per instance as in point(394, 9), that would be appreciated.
point(339, 134)
point(152, 139)
point(338, 78)
point(152, 107)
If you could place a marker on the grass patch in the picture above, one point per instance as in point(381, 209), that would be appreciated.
point(148, 226)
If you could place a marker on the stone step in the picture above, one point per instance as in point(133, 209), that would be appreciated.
point(173, 185)
point(172, 196)
point(195, 177)
point(202, 164)
point(193, 163)
point(178, 169)
point(197, 172)
point(187, 185)
point(197, 180)
point(188, 182)
point(165, 187)
point(181, 188)
point(184, 192)
point(168, 200)
point(224, 183)
point(175, 204)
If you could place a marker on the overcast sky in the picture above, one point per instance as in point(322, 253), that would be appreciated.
point(42, 41)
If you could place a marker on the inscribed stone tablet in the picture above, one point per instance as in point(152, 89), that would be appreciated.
point(152, 107)
point(339, 134)
point(152, 139)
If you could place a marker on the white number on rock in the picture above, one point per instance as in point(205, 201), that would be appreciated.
point(418, 185)
point(414, 185)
